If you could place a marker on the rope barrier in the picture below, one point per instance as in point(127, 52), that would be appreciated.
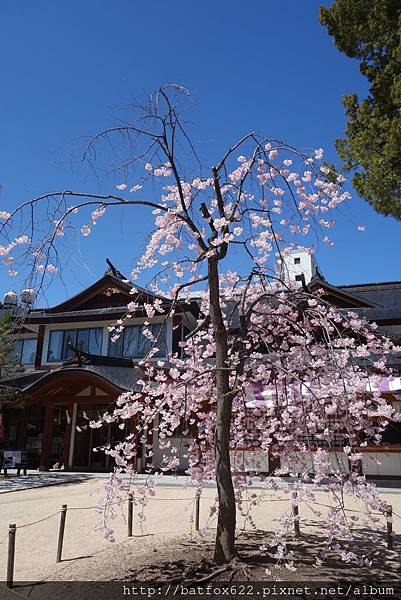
point(120, 503)
point(379, 514)
point(270, 500)
point(39, 521)
point(189, 500)
point(178, 499)
point(95, 507)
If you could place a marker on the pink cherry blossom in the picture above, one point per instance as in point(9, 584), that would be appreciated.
point(85, 230)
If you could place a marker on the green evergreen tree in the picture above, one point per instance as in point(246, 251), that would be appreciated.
point(9, 363)
point(369, 30)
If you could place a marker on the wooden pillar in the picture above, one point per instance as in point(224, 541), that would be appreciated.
point(147, 434)
point(39, 347)
point(274, 462)
point(177, 334)
point(47, 437)
point(72, 435)
point(153, 438)
point(67, 437)
point(131, 430)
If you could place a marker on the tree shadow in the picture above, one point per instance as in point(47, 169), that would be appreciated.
point(17, 483)
point(196, 558)
point(385, 563)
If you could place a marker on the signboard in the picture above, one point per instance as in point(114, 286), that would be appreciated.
point(14, 459)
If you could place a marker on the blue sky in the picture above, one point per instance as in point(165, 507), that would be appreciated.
point(267, 65)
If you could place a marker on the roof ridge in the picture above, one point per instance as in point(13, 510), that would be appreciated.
point(373, 283)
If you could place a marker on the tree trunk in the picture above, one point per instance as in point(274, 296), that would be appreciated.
point(225, 537)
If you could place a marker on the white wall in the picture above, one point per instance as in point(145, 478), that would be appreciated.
point(390, 463)
point(250, 461)
point(178, 448)
point(307, 266)
point(300, 462)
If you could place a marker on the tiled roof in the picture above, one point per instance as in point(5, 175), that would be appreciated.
point(97, 312)
point(385, 296)
point(124, 378)
point(20, 380)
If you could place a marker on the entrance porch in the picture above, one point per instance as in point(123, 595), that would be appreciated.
point(53, 425)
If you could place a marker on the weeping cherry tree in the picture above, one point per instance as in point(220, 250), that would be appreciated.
point(268, 360)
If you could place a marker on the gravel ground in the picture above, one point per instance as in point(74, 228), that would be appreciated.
point(166, 547)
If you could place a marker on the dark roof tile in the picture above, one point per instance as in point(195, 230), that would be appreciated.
point(386, 296)
point(125, 378)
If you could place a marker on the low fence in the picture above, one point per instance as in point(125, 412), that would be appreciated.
point(13, 528)
point(388, 514)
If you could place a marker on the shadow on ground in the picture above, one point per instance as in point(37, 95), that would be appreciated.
point(196, 559)
point(15, 483)
point(188, 561)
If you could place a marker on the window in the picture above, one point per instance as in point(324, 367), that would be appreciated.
point(25, 351)
point(62, 342)
point(299, 278)
point(297, 261)
point(133, 344)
